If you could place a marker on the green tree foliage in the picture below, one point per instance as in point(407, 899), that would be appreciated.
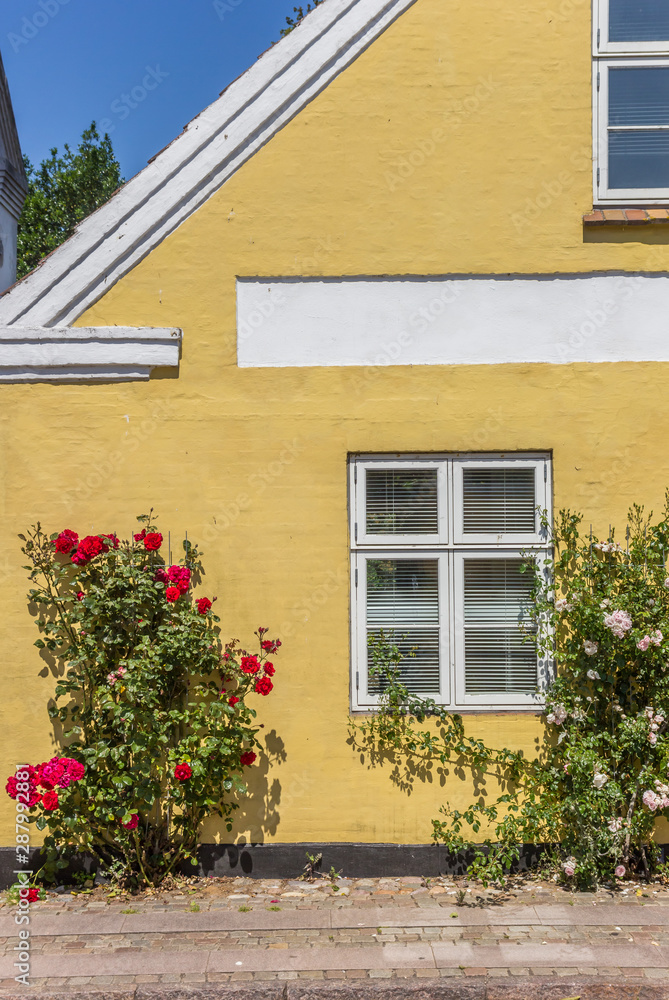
point(293, 22)
point(62, 192)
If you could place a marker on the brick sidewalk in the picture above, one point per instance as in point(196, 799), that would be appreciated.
point(310, 941)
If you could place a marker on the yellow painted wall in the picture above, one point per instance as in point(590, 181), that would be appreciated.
point(253, 462)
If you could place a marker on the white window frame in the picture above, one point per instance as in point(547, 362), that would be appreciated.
point(449, 548)
point(605, 56)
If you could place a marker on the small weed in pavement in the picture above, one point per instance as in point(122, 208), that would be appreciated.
point(273, 907)
point(130, 910)
point(245, 909)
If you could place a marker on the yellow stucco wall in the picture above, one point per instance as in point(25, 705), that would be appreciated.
point(253, 462)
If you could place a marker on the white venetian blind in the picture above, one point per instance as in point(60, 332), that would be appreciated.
point(498, 500)
point(402, 502)
point(403, 600)
point(496, 600)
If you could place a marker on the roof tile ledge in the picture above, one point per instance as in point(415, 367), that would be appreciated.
point(626, 217)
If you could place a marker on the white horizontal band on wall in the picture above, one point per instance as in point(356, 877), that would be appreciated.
point(66, 354)
point(460, 320)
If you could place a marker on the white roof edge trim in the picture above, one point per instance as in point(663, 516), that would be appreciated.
point(65, 354)
point(115, 238)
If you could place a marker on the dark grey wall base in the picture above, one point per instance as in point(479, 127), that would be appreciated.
point(351, 860)
point(288, 860)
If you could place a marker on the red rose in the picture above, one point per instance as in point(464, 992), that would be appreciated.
point(180, 577)
point(264, 686)
point(80, 595)
point(50, 800)
point(160, 576)
point(203, 605)
point(89, 548)
point(30, 797)
point(247, 758)
point(269, 669)
point(33, 895)
point(141, 536)
point(231, 701)
point(50, 773)
point(66, 541)
point(172, 594)
point(132, 822)
point(153, 541)
point(182, 772)
point(270, 645)
point(74, 771)
point(250, 664)
point(112, 539)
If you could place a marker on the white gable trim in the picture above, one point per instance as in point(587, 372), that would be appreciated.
point(456, 320)
point(85, 354)
point(214, 145)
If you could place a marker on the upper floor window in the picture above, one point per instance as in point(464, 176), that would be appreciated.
point(438, 545)
point(631, 120)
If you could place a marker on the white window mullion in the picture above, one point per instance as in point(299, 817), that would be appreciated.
point(445, 685)
point(359, 696)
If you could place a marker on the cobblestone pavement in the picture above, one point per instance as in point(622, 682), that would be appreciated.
point(411, 938)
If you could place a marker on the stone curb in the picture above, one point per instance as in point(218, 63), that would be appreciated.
point(476, 989)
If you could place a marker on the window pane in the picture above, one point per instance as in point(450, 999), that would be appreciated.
point(402, 502)
point(639, 96)
point(638, 20)
point(402, 592)
point(403, 600)
point(639, 160)
point(498, 500)
point(496, 600)
point(419, 667)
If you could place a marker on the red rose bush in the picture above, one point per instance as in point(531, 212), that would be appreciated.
point(152, 709)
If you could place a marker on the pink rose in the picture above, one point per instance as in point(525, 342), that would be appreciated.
point(620, 871)
point(619, 622)
point(651, 800)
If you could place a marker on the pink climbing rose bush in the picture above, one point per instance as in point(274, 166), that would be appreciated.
point(156, 714)
point(593, 792)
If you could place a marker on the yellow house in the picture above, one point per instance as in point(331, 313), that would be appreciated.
point(404, 282)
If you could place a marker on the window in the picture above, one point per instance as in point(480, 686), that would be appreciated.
point(436, 552)
point(631, 113)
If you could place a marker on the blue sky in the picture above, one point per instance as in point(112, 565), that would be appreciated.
point(144, 67)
